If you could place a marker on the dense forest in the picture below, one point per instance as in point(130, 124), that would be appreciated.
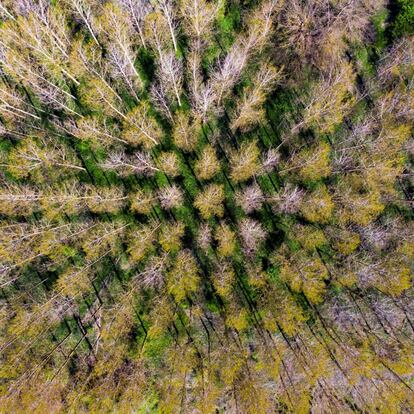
point(206, 206)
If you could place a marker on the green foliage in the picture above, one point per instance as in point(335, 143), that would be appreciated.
point(404, 21)
point(379, 21)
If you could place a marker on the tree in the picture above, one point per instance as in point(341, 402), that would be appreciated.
point(199, 17)
point(186, 131)
point(13, 105)
point(94, 131)
point(344, 241)
point(138, 163)
point(84, 10)
point(116, 31)
point(183, 279)
point(170, 236)
point(170, 197)
point(250, 199)
point(137, 10)
point(141, 241)
point(392, 276)
point(101, 97)
point(357, 204)
point(312, 164)
point(109, 200)
point(43, 64)
point(309, 237)
point(252, 235)
point(143, 201)
point(140, 128)
point(167, 9)
point(318, 206)
point(281, 311)
point(210, 201)
point(74, 281)
point(37, 158)
point(208, 164)
point(305, 274)
point(244, 162)
point(157, 31)
point(250, 109)
point(44, 36)
point(18, 200)
point(237, 318)
point(72, 199)
point(332, 99)
point(24, 243)
point(205, 206)
point(168, 163)
point(105, 238)
point(170, 75)
point(226, 239)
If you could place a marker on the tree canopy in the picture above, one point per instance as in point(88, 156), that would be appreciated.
point(206, 206)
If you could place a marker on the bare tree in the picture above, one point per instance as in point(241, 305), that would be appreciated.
point(153, 274)
point(199, 16)
point(170, 75)
point(121, 67)
point(167, 9)
point(18, 200)
point(138, 163)
point(84, 10)
point(231, 67)
point(288, 200)
point(250, 199)
point(318, 31)
point(5, 13)
point(138, 10)
point(170, 197)
point(252, 234)
point(270, 159)
point(117, 31)
point(160, 101)
point(204, 236)
point(204, 97)
point(229, 71)
point(93, 129)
